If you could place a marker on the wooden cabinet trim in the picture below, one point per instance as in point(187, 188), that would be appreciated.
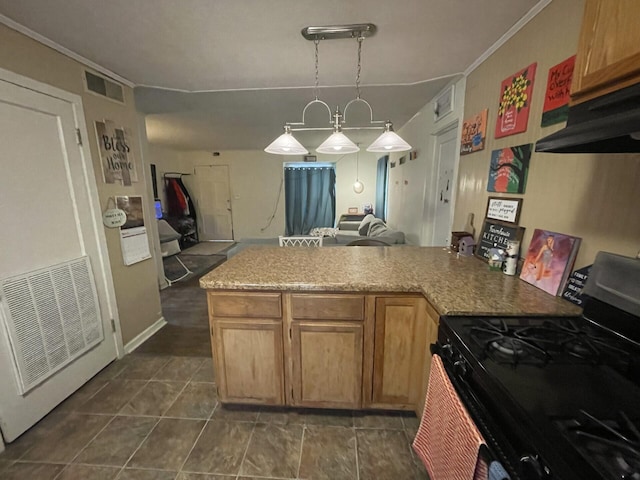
point(245, 304)
point(338, 307)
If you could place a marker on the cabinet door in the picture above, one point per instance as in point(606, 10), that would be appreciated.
point(327, 364)
point(399, 352)
point(608, 55)
point(432, 322)
point(248, 358)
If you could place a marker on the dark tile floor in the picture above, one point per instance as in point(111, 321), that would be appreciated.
point(154, 415)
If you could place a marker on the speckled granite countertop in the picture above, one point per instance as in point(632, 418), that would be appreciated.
point(454, 285)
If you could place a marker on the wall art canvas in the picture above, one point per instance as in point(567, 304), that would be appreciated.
point(509, 169)
point(556, 97)
point(118, 165)
point(549, 260)
point(514, 103)
point(474, 133)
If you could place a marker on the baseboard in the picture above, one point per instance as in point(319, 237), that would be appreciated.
point(144, 335)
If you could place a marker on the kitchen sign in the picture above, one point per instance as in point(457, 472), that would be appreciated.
point(504, 209)
point(496, 235)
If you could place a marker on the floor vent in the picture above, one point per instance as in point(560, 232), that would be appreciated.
point(51, 317)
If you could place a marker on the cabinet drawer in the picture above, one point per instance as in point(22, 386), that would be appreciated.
point(241, 304)
point(327, 307)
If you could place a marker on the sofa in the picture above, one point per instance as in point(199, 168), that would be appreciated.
point(368, 227)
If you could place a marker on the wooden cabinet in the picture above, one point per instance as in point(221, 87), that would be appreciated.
point(327, 364)
point(608, 56)
point(248, 359)
point(322, 350)
point(325, 349)
point(399, 351)
point(247, 346)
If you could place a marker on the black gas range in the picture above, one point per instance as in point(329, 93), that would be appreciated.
point(556, 398)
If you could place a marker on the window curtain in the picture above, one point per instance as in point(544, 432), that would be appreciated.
point(310, 198)
point(381, 188)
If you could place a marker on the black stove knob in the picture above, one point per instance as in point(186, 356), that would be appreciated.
point(460, 367)
point(446, 351)
point(533, 467)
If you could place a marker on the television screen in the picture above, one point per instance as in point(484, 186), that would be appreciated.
point(158, 205)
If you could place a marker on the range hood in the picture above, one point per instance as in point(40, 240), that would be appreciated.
point(607, 124)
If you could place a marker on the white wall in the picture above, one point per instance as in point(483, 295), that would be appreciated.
point(412, 185)
point(346, 176)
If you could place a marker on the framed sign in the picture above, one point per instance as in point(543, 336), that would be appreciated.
point(504, 209)
point(496, 234)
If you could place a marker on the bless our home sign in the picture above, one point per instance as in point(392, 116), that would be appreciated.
point(118, 165)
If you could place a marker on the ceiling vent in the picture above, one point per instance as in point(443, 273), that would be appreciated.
point(103, 86)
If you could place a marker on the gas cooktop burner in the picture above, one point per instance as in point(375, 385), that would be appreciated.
point(557, 340)
point(612, 445)
point(505, 344)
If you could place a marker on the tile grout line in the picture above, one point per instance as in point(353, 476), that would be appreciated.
point(244, 456)
point(206, 422)
point(138, 447)
point(355, 434)
point(304, 430)
point(85, 446)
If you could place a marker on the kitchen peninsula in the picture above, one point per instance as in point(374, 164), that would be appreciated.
point(347, 327)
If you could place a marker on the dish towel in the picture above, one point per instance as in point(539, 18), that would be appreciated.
point(497, 472)
point(448, 441)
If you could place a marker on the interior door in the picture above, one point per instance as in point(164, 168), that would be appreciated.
point(50, 215)
point(214, 202)
point(445, 158)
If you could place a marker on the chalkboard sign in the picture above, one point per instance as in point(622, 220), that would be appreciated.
point(575, 284)
point(496, 235)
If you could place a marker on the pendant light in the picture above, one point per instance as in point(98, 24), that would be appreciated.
point(286, 144)
point(389, 141)
point(338, 143)
point(358, 186)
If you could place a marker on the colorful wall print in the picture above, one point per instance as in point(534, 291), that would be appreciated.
point(474, 133)
point(556, 97)
point(118, 165)
point(515, 100)
point(509, 169)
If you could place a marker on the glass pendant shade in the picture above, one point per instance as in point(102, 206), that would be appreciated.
point(389, 141)
point(337, 144)
point(286, 144)
point(358, 186)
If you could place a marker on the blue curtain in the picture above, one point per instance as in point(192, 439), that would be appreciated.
point(381, 188)
point(310, 198)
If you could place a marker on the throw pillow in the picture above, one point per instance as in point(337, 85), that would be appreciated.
point(363, 228)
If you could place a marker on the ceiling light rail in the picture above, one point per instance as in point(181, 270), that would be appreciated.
point(338, 143)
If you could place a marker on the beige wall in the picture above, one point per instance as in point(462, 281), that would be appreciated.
point(592, 196)
point(346, 176)
point(412, 185)
point(136, 286)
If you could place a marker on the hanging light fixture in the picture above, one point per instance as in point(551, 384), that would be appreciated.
point(358, 186)
point(338, 143)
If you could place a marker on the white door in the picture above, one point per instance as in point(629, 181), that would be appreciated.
point(445, 158)
point(49, 211)
point(213, 202)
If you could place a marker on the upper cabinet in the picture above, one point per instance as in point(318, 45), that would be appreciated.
point(608, 56)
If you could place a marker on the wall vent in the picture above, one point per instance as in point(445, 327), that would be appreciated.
point(103, 86)
point(51, 317)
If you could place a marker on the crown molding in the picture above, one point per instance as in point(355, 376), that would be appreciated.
point(507, 36)
point(65, 51)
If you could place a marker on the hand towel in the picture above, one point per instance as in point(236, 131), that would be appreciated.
point(497, 472)
point(448, 441)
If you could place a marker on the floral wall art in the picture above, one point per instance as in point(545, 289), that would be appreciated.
point(515, 100)
point(509, 169)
